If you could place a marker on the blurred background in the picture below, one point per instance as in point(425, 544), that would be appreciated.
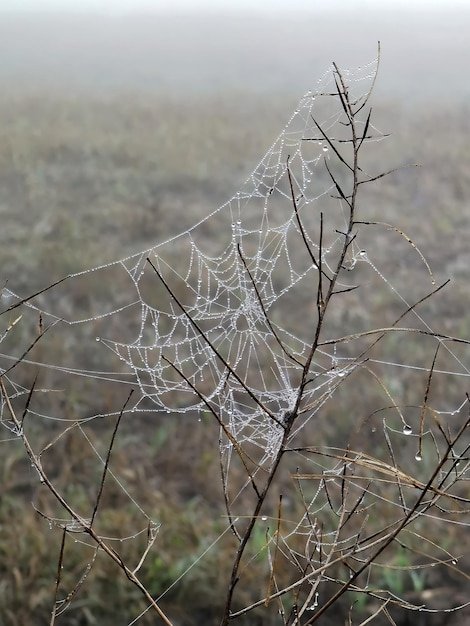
point(110, 105)
point(260, 46)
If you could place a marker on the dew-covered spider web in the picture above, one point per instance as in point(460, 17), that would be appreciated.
point(219, 322)
point(221, 317)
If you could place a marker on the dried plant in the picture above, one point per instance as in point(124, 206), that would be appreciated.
point(250, 332)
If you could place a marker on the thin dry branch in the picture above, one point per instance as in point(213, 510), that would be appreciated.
point(424, 407)
point(390, 329)
point(265, 314)
point(34, 295)
point(414, 510)
point(85, 524)
point(58, 577)
point(407, 239)
point(108, 457)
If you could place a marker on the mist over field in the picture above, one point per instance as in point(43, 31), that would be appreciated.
point(424, 52)
point(182, 91)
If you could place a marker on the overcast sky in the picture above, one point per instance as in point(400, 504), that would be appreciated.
point(126, 6)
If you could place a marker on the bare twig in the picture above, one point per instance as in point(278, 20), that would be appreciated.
point(108, 456)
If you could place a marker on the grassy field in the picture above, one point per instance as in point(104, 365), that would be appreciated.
point(99, 171)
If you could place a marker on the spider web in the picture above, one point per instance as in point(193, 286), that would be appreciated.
point(220, 317)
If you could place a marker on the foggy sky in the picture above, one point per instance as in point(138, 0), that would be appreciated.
point(425, 44)
point(260, 6)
